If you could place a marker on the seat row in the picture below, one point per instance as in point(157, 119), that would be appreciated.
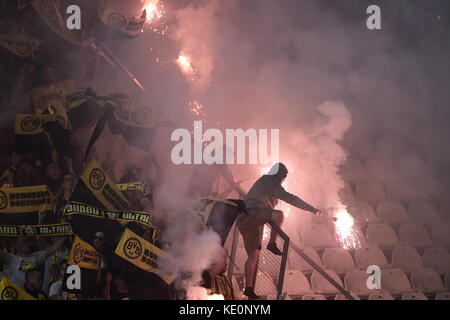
point(379, 234)
point(404, 258)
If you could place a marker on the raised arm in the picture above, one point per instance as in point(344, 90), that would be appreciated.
point(293, 200)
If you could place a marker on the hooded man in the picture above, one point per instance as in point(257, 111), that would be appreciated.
point(260, 203)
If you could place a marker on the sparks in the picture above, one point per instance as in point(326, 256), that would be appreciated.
point(347, 235)
point(184, 62)
point(153, 11)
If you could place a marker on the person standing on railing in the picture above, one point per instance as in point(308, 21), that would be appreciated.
point(260, 203)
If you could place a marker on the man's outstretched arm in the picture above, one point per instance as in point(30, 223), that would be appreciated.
point(293, 200)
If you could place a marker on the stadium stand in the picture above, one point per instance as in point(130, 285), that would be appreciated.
point(441, 235)
point(381, 295)
point(381, 235)
point(395, 281)
point(353, 171)
point(297, 262)
point(320, 285)
point(338, 259)
point(442, 296)
point(406, 258)
point(424, 213)
point(296, 283)
point(370, 255)
point(355, 280)
point(317, 236)
point(415, 235)
point(414, 296)
point(427, 280)
point(371, 191)
point(437, 259)
point(392, 212)
point(314, 297)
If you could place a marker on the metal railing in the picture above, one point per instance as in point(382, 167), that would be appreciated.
point(273, 261)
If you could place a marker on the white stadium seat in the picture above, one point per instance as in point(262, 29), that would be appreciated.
point(356, 281)
point(406, 258)
point(392, 212)
point(442, 296)
point(424, 213)
point(360, 146)
point(414, 296)
point(370, 190)
point(395, 281)
point(381, 295)
point(433, 190)
point(321, 285)
point(362, 211)
point(427, 280)
point(317, 236)
point(337, 259)
point(391, 145)
point(352, 170)
point(412, 168)
point(441, 235)
point(381, 169)
point(402, 190)
point(346, 194)
point(381, 235)
point(295, 283)
point(437, 259)
point(314, 297)
point(297, 262)
point(370, 255)
point(414, 235)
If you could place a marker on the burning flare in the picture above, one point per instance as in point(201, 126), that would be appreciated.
point(346, 233)
point(184, 62)
point(153, 11)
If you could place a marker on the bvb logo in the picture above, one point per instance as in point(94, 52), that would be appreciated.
point(116, 20)
point(132, 248)
point(9, 293)
point(78, 253)
point(140, 115)
point(3, 200)
point(30, 124)
point(97, 179)
point(24, 47)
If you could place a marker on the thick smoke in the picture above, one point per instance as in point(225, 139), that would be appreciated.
point(311, 69)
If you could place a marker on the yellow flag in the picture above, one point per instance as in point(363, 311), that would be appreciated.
point(25, 199)
point(11, 291)
point(143, 254)
point(30, 124)
point(103, 188)
point(84, 255)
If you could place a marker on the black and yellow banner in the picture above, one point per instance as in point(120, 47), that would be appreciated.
point(84, 107)
point(217, 214)
point(84, 255)
point(118, 21)
point(25, 199)
point(53, 18)
point(19, 44)
point(31, 124)
point(102, 187)
point(11, 291)
point(77, 208)
point(59, 229)
point(143, 255)
point(135, 186)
